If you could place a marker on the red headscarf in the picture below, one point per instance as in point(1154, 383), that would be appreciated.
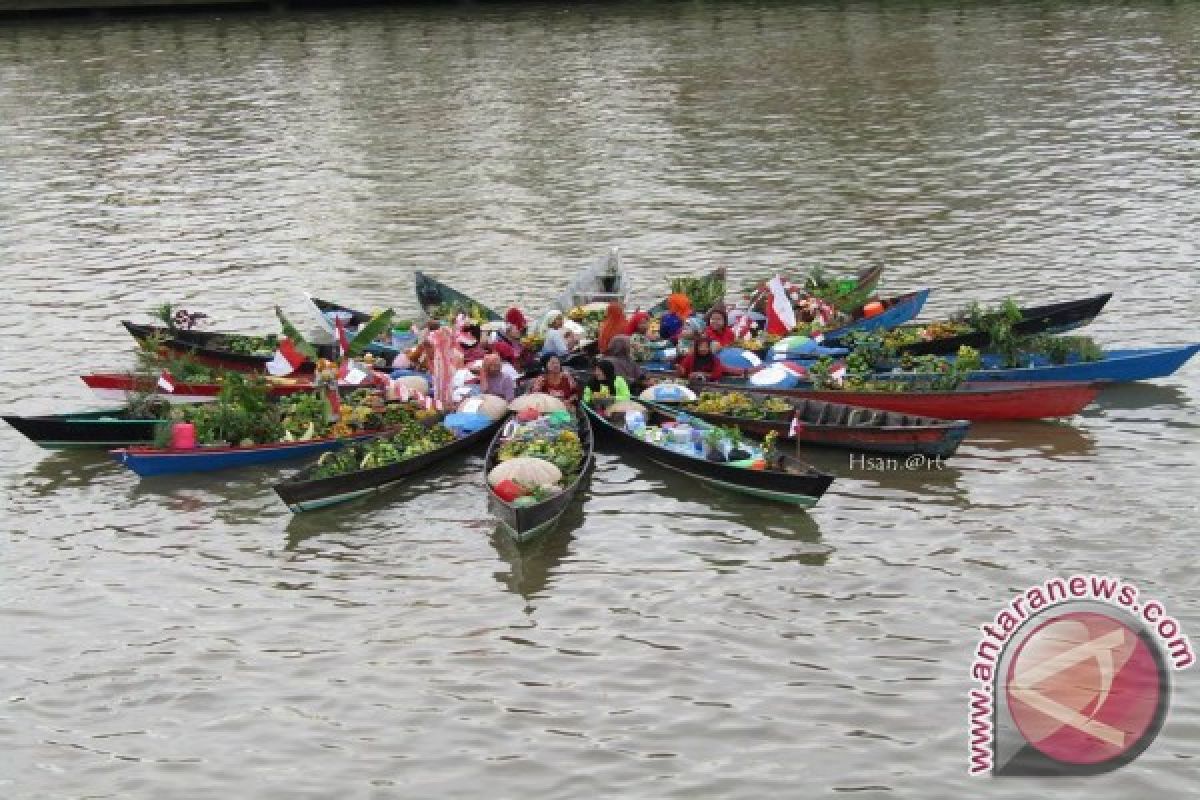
point(634, 320)
point(514, 317)
point(613, 325)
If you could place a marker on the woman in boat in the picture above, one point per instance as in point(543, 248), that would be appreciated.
point(557, 382)
point(556, 343)
point(702, 364)
point(718, 331)
point(514, 317)
point(508, 346)
point(606, 380)
point(679, 312)
point(470, 342)
point(614, 324)
point(495, 380)
point(620, 356)
point(464, 382)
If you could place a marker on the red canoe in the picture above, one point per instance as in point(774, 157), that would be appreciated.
point(971, 401)
point(114, 386)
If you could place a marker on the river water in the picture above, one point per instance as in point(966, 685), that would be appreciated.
point(190, 638)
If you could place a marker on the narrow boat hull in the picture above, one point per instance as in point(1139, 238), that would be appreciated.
point(150, 462)
point(117, 387)
point(973, 402)
point(87, 429)
point(524, 523)
point(432, 293)
point(304, 493)
point(1052, 318)
point(801, 488)
point(898, 310)
point(1117, 366)
point(602, 282)
point(894, 434)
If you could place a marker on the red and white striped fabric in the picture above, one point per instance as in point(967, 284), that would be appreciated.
point(166, 381)
point(781, 317)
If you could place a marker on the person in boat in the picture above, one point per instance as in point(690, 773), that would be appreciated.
point(556, 343)
point(614, 324)
point(718, 331)
point(470, 341)
point(495, 380)
point(604, 378)
point(507, 345)
point(679, 311)
point(638, 331)
point(702, 364)
point(515, 318)
point(464, 382)
point(620, 355)
point(556, 381)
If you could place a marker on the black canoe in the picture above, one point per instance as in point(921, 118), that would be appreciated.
point(432, 293)
point(100, 429)
point(527, 522)
point(209, 347)
point(847, 427)
point(786, 480)
point(303, 492)
point(1052, 318)
point(356, 318)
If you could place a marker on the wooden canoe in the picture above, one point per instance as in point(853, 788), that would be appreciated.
point(839, 425)
point(83, 429)
point(303, 492)
point(788, 480)
point(1116, 366)
point(527, 522)
point(432, 293)
point(1051, 318)
point(604, 281)
point(971, 401)
point(153, 461)
point(116, 386)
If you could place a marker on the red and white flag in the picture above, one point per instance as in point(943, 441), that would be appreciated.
point(795, 427)
point(287, 358)
point(335, 401)
point(781, 317)
point(838, 374)
point(741, 327)
point(343, 341)
point(166, 381)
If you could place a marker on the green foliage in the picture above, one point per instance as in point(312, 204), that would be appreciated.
point(413, 439)
point(869, 351)
point(250, 345)
point(369, 332)
point(968, 359)
point(846, 295)
point(1061, 349)
point(298, 341)
point(703, 292)
point(165, 313)
point(997, 324)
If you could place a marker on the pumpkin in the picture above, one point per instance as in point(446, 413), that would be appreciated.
point(415, 383)
point(525, 471)
point(540, 401)
point(489, 404)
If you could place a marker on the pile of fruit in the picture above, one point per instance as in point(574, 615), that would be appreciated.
point(413, 439)
point(738, 404)
point(558, 444)
point(590, 317)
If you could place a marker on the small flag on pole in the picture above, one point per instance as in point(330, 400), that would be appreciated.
point(795, 427)
point(287, 358)
point(342, 340)
point(166, 382)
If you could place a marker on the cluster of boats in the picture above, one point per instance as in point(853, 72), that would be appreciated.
point(729, 433)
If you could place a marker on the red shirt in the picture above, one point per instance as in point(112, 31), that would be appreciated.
point(714, 373)
point(724, 338)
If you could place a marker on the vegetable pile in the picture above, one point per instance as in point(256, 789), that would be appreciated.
point(738, 404)
point(413, 439)
point(552, 438)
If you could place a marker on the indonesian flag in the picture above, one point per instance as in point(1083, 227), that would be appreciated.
point(287, 358)
point(795, 427)
point(351, 373)
point(781, 317)
point(838, 375)
point(335, 401)
point(166, 382)
point(342, 340)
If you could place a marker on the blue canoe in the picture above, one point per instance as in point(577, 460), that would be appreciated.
point(148, 461)
point(897, 311)
point(1141, 364)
